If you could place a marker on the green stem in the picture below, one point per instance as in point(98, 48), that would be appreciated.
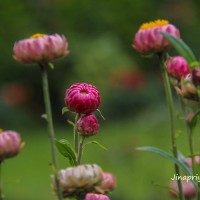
point(49, 119)
point(80, 149)
point(172, 124)
point(1, 192)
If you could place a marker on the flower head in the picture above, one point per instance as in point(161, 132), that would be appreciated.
point(82, 98)
point(40, 48)
point(108, 182)
point(92, 196)
point(10, 144)
point(187, 187)
point(196, 76)
point(177, 67)
point(88, 125)
point(149, 40)
point(80, 179)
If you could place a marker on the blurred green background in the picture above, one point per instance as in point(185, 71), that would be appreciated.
point(100, 35)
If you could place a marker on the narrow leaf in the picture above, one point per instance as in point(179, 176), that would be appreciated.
point(66, 149)
point(98, 144)
point(64, 110)
point(51, 65)
point(71, 123)
point(101, 114)
point(166, 155)
point(181, 47)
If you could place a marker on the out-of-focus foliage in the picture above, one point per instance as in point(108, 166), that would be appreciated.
point(100, 35)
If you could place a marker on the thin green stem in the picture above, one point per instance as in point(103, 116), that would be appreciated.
point(80, 151)
point(1, 191)
point(49, 120)
point(170, 104)
point(76, 134)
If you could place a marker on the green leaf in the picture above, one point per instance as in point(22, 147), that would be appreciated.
point(101, 114)
point(71, 123)
point(51, 65)
point(168, 156)
point(182, 48)
point(66, 149)
point(98, 144)
point(65, 109)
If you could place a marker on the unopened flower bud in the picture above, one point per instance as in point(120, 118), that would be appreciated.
point(40, 48)
point(92, 196)
point(196, 76)
point(187, 187)
point(10, 144)
point(177, 67)
point(187, 89)
point(81, 179)
point(108, 182)
point(88, 125)
point(82, 98)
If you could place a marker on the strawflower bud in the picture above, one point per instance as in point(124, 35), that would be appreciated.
point(40, 48)
point(81, 179)
point(88, 125)
point(10, 144)
point(187, 187)
point(108, 182)
point(187, 89)
point(92, 196)
point(196, 160)
point(177, 67)
point(196, 76)
point(149, 40)
point(82, 98)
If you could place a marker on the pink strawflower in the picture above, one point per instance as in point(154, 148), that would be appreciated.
point(196, 76)
point(92, 196)
point(108, 182)
point(149, 40)
point(82, 98)
point(187, 187)
point(40, 48)
point(177, 67)
point(88, 125)
point(10, 144)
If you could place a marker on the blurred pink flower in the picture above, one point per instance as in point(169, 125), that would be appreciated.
point(82, 98)
point(92, 196)
point(177, 67)
point(108, 182)
point(88, 125)
point(187, 187)
point(10, 144)
point(149, 40)
point(40, 48)
point(189, 161)
point(14, 94)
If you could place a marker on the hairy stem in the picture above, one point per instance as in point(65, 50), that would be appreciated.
point(49, 120)
point(170, 104)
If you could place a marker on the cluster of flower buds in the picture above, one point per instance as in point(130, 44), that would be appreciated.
point(148, 39)
point(10, 144)
point(93, 196)
point(40, 48)
point(84, 98)
point(83, 179)
point(186, 81)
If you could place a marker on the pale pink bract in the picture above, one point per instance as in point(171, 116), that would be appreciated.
point(92, 196)
point(82, 98)
point(10, 144)
point(108, 181)
point(40, 49)
point(88, 125)
point(177, 67)
point(148, 40)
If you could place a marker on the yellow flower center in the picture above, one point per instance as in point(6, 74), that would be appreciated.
point(1, 130)
point(37, 35)
point(158, 22)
